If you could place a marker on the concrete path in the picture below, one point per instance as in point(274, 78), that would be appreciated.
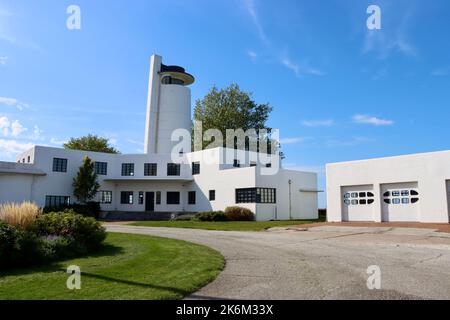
point(321, 263)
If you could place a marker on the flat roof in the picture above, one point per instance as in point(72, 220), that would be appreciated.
point(19, 168)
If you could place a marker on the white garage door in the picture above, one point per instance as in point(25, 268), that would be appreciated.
point(357, 203)
point(400, 201)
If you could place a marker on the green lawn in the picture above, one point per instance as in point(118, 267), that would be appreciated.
point(128, 267)
point(226, 226)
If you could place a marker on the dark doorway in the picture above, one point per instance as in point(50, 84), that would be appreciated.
point(149, 201)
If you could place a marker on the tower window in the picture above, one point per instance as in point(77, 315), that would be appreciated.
point(173, 169)
point(150, 169)
point(127, 169)
point(195, 168)
point(170, 80)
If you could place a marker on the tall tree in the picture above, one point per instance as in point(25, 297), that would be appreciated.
point(231, 108)
point(90, 143)
point(85, 185)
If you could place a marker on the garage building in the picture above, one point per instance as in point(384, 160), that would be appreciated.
point(413, 188)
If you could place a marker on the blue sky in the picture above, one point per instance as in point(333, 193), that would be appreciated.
point(339, 91)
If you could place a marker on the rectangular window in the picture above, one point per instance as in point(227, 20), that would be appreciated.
point(195, 168)
point(57, 201)
point(106, 196)
point(29, 159)
point(212, 195)
point(253, 164)
point(141, 197)
point(191, 197)
point(126, 197)
point(236, 163)
point(59, 165)
point(150, 169)
point(173, 197)
point(268, 165)
point(127, 169)
point(158, 197)
point(101, 168)
point(256, 195)
point(173, 169)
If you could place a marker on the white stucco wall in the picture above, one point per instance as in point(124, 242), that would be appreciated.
point(429, 171)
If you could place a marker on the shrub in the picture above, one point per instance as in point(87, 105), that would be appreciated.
point(19, 247)
point(239, 214)
point(90, 209)
point(185, 217)
point(82, 233)
point(51, 236)
point(19, 214)
point(211, 216)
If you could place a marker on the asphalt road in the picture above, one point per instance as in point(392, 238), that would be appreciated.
point(321, 263)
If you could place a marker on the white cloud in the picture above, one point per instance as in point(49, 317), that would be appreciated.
point(12, 102)
point(17, 128)
point(299, 70)
point(13, 128)
point(13, 147)
point(37, 133)
point(4, 125)
point(250, 6)
point(441, 72)
point(393, 38)
point(252, 55)
point(292, 140)
point(318, 123)
point(3, 60)
point(365, 119)
point(57, 142)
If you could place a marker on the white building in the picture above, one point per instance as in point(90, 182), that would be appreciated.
point(153, 182)
point(405, 188)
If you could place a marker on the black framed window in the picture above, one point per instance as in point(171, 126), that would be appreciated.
point(173, 169)
point(191, 197)
point(173, 197)
point(105, 196)
point(236, 163)
point(150, 169)
point(158, 197)
point(127, 169)
point(195, 168)
point(212, 195)
point(126, 197)
point(57, 201)
point(59, 165)
point(101, 168)
point(141, 197)
point(256, 195)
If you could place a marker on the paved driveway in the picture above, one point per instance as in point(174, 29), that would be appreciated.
point(321, 263)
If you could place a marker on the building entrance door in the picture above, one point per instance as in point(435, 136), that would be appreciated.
point(149, 201)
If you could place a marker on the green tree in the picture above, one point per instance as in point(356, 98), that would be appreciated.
point(90, 143)
point(231, 108)
point(85, 185)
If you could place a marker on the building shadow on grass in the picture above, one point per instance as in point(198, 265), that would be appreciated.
point(134, 283)
point(106, 250)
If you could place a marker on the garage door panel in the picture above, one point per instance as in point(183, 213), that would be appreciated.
point(357, 203)
point(400, 201)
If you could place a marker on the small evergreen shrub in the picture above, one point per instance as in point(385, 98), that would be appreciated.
point(211, 216)
point(236, 213)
